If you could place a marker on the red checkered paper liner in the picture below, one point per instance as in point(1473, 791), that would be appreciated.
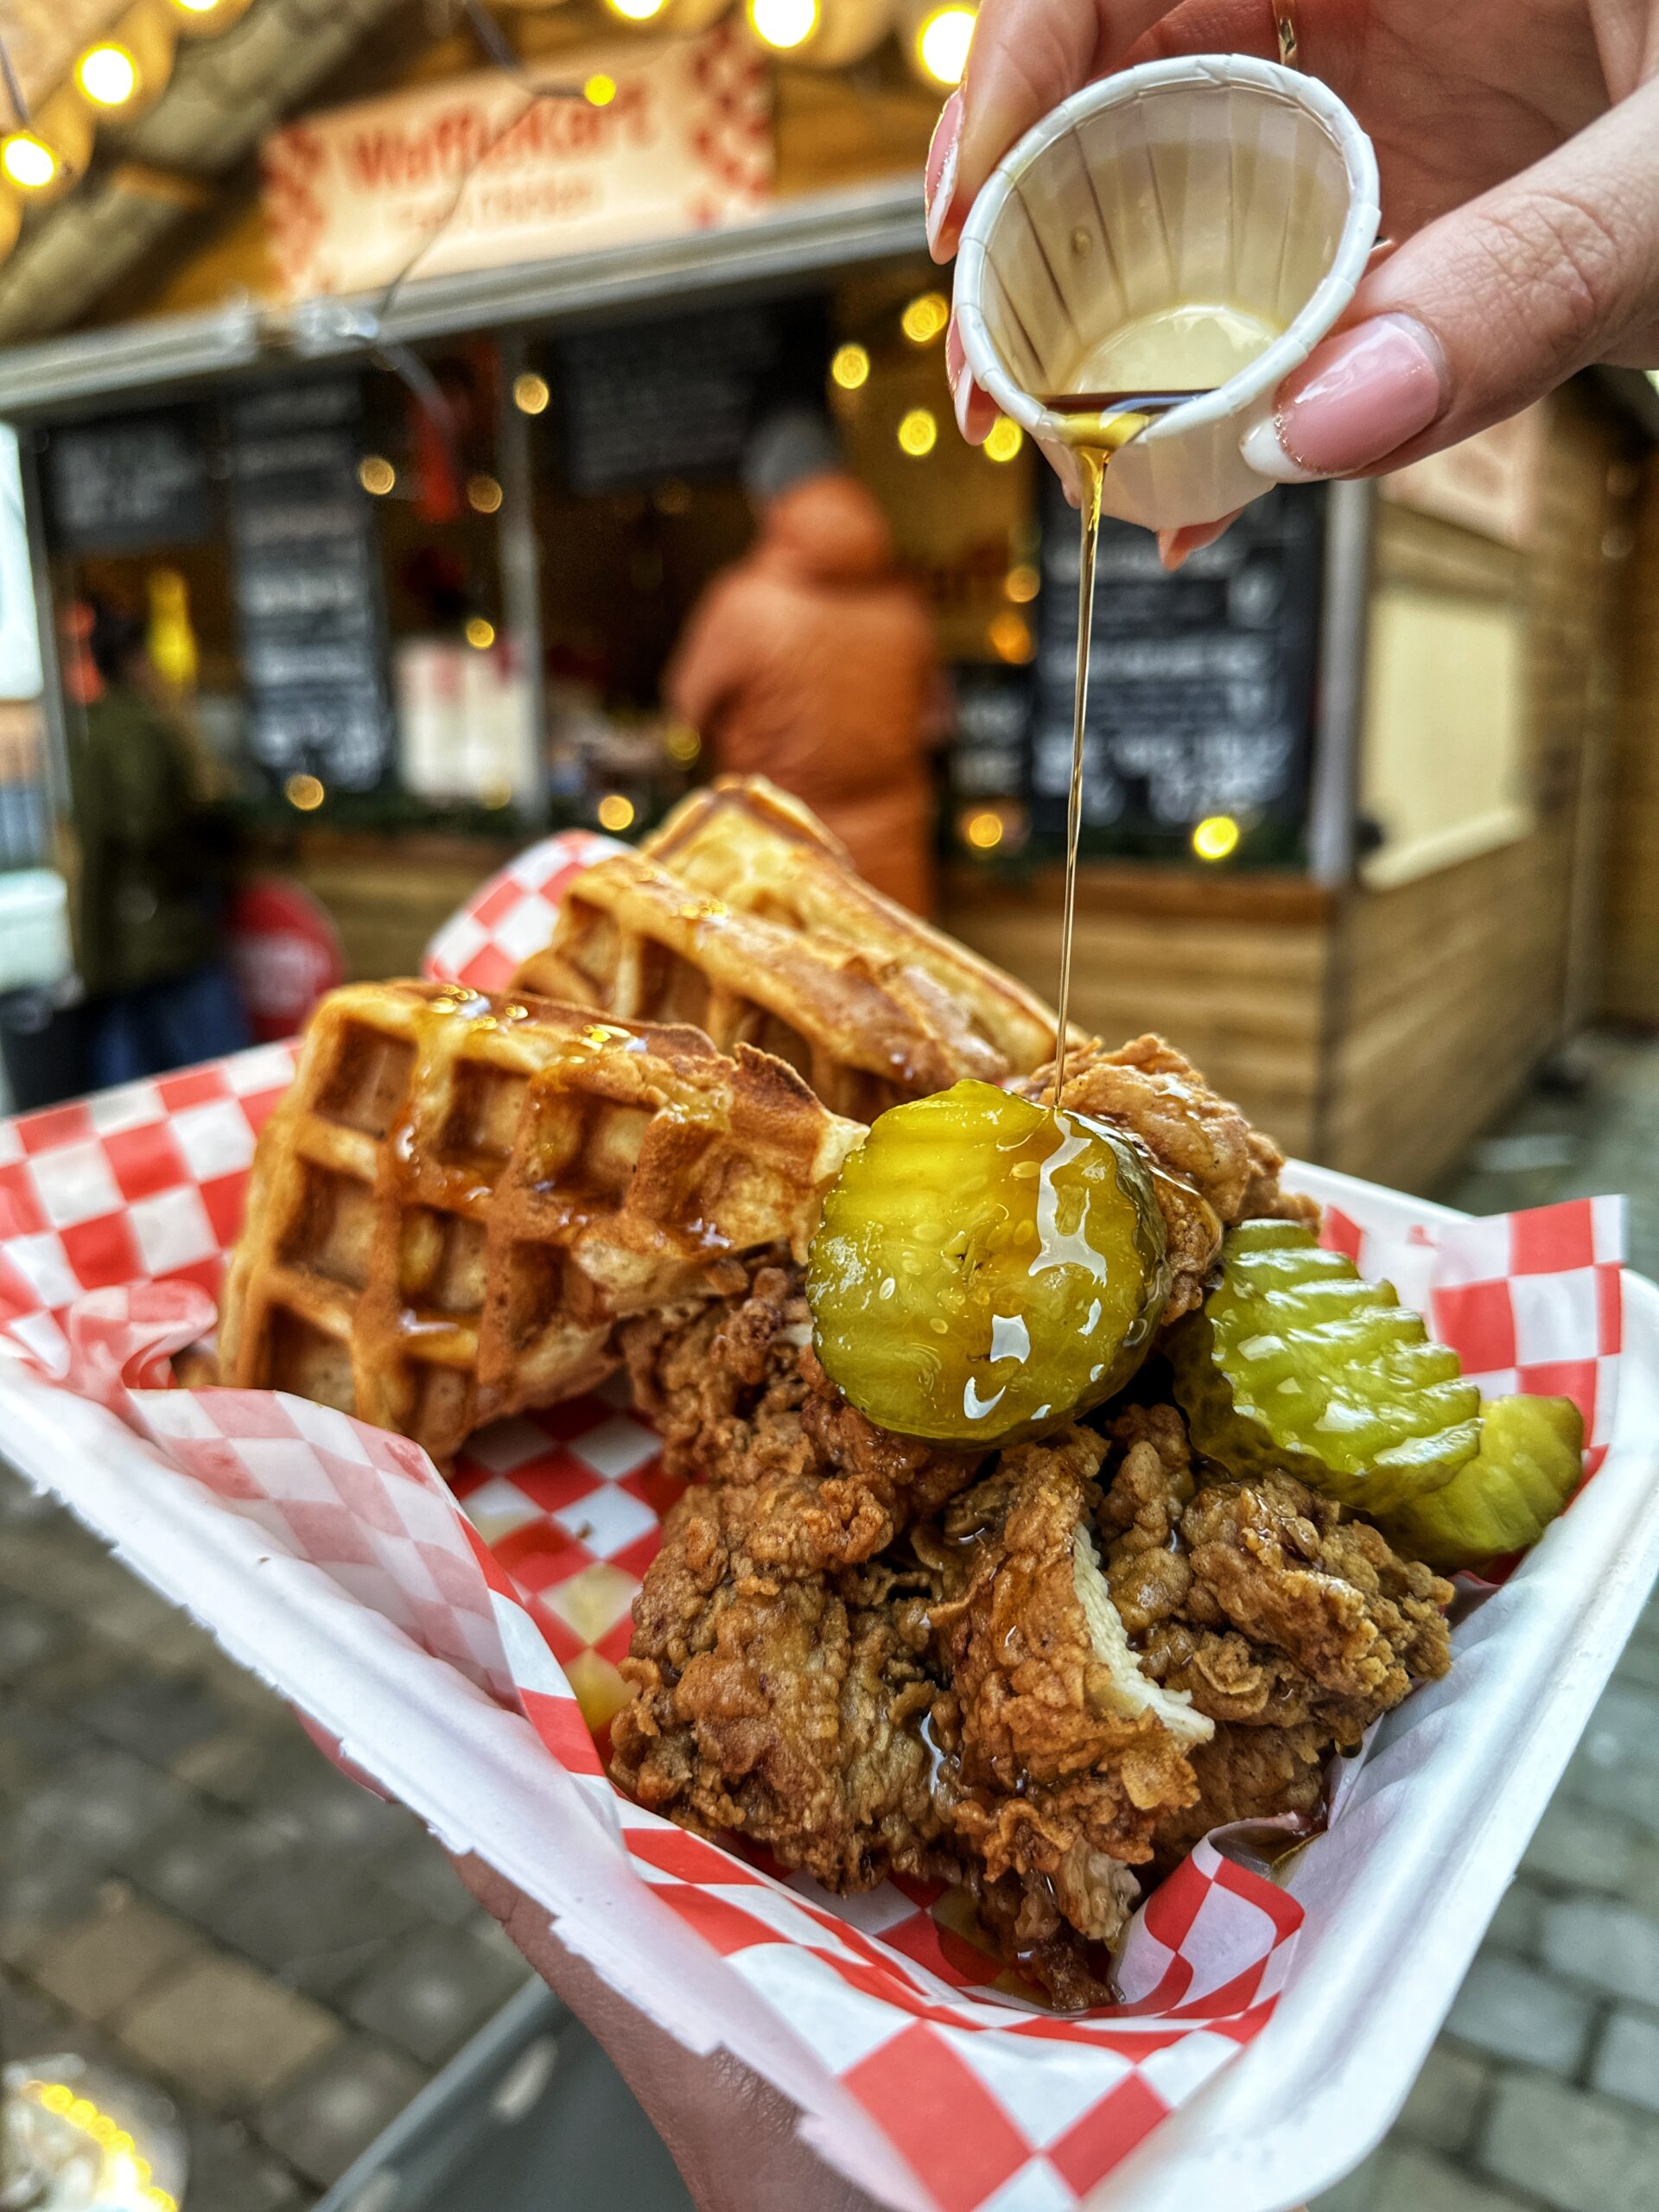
point(512, 915)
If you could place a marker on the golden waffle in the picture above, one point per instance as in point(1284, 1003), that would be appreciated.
point(743, 915)
point(459, 1195)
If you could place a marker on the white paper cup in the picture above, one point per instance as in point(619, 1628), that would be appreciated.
point(1215, 180)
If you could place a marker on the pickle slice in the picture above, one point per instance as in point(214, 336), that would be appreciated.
point(1296, 1362)
point(986, 1267)
point(1529, 1463)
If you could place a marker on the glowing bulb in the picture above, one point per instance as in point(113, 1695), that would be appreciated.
point(783, 24)
point(479, 633)
point(107, 74)
point(196, 7)
point(925, 318)
point(28, 161)
point(615, 811)
point(1215, 837)
point(942, 43)
point(483, 494)
point(918, 433)
point(530, 393)
point(1021, 585)
point(600, 90)
point(305, 792)
point(1010, 637)
point(1003, 440)
point(376, 474)
point(851, 367)
point(984, 832)
point(636, 11)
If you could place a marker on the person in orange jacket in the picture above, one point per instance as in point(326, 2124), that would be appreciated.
point(812, 660)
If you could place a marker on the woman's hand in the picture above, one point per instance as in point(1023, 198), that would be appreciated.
point(1518, 141)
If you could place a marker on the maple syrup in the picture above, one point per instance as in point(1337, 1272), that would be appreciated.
point(1139, 371)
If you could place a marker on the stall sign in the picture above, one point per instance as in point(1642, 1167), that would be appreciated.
point(286, 953)
point(487, 169)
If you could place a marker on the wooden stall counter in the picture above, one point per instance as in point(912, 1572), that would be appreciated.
point(1232, 970)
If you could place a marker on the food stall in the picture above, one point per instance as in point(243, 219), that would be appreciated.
point(420, 454)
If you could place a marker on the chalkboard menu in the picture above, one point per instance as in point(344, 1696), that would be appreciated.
point(307, 587)
point(1202, 689)
point(990, 728)
point(131, 483)
point(678, 397)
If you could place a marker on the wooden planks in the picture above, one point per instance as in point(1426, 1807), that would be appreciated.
point(1630, 979)
point(1448, 991)
point(1241, 998)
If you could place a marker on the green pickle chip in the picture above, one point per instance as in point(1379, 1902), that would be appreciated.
point(1530, 1459)
point(986, 1267)
point(1296, 1362)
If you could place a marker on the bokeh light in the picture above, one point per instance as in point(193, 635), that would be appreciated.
point(1004, 440)
point(918, 433)
point(530, 393)
point(376, 474)
point(614, 812)
point(849, 367)
point(28, 161)
point(107, 74)
point(1215, 837)
point(925, 318)
point(483, 494)
point(304, 791)
point(783, 24)
point(480, 633)
point(942, 43)
point(1010, 638)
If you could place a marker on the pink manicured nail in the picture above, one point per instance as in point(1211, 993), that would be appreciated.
point(939, 178)
point(1356, 399)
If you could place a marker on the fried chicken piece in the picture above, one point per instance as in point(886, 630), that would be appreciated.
point(1257, 1600)
point(1247, 1774)
point(1060, 1758)
point(1218, 1170)
point(787, 1710)
point(739, 1397)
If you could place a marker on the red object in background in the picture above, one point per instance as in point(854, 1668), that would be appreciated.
point(286, 952)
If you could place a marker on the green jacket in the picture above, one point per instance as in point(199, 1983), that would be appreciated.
point(152, 855)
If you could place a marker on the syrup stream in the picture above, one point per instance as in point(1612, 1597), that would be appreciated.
point(1105, 422)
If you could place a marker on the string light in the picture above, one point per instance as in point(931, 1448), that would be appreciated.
point(600, 90)
point(305, 792)
point(107, 74)
point(849, 366)
point(480, 633)
point(28, 161)
point(614, 812)
point(984, 831)
point(925, 318)
point(483, 494)
point(1010, 638)
point(1215, 837)
point(942, 43)
point(1022, 584)
point(1004, 440)
point(783, 24)
point(376, 474)
point(918, 433)
point(530, 393)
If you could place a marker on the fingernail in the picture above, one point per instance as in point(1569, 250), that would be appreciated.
point(1356, 400)
point(939, 178)
point(962, 393)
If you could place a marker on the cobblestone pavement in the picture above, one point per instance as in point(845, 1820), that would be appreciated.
point(189, 1888)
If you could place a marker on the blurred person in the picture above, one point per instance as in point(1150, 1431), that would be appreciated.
point(153, 854)
point(812, 660)
point(1518, 143)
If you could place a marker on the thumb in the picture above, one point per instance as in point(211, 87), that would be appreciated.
point(1486, 309)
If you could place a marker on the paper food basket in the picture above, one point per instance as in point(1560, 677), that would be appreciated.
point(794, 2048)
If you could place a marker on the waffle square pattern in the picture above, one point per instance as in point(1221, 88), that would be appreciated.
point(461, 1195)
